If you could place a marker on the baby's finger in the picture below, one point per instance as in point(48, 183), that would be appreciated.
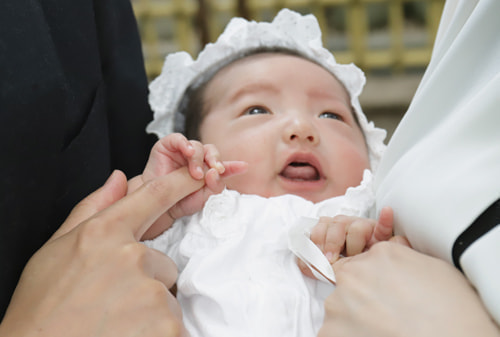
point(335, 240)
point(318, 232)
point(304, 269)
point(168, 154)
point(172, 146)
point(335, 236)
point(400, 240)
point(196, 162)
point(213, 177)
point(213, 181)
point(212, 158)
point(358, 235)
point(234, 167)
point(177, 142)
point(384, 227)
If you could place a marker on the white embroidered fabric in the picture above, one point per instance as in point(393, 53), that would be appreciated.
point(289, 30)
point(237, 273)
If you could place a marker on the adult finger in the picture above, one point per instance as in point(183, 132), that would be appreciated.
point(113, 189)
point(161, 267)
point(138, 210)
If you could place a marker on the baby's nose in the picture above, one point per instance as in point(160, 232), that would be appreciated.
point(302, 130)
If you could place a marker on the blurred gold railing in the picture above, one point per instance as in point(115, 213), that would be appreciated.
point(377, 35)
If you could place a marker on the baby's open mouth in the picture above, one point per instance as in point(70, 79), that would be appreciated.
point(300, 171)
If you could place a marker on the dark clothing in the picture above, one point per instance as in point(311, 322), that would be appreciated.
point(73, 107)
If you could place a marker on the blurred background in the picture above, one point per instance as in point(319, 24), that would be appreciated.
point(390, 40)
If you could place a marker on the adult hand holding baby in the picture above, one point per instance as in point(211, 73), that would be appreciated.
point(93, 277)
point(203, 162)
point(382, 291)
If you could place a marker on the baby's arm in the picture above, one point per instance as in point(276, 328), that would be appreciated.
point(173, 152)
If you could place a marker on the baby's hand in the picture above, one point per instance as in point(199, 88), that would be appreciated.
point(349, 235)
point(175, 151)
point(203, 161)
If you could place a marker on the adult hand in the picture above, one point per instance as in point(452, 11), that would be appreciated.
point(93, 277)
point(392, 290)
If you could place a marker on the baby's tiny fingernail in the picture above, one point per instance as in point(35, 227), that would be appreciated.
point(200, 172)
point(214, 173)
point(329, 256)
point(220, 167)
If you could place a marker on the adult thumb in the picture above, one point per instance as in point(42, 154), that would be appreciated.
point(113, 190)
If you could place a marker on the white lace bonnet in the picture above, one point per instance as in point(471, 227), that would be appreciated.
point(290, 31)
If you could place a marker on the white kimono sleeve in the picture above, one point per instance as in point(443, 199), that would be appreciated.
point(441, 170)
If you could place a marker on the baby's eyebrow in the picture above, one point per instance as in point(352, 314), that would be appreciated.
point(329, 95)
point(251, 89)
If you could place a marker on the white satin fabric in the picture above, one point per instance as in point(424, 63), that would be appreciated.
point(442, 166)
point(237, 273)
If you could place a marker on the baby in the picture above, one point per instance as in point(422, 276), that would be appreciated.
point(276, 121)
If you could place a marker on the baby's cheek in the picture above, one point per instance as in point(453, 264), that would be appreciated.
point(357, 157)
point(237, 183)
point(354, 171)
point(248, 184)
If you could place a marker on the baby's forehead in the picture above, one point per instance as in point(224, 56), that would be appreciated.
point(263, 66)
point(263, 57)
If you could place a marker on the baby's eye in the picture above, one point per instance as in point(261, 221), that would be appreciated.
point(331, 115)
point(256, 110)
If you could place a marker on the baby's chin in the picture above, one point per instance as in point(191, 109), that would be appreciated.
point(311, 192)
point(315, 198)
point(307, 195)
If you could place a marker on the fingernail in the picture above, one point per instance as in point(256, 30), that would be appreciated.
point(200, 171)
point(220, 167)
point(111, 177)
point(215, 173)
point(329, 256)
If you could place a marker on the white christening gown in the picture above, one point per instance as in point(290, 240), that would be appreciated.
point(238, 275)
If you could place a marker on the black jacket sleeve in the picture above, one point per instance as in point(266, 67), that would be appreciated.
point(73, 107)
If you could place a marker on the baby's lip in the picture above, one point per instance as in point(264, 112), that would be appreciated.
point(302, 167)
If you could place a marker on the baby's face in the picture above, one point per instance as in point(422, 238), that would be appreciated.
point(291, 120)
